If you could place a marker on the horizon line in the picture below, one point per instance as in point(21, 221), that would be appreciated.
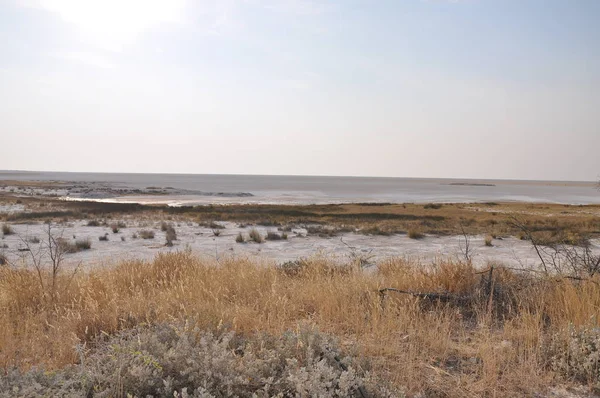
point(300, 175)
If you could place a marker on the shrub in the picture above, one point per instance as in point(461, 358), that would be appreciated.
point(3, 259)
point(284, 236)
point(170, 235)
point(268, 223)
point(134, 236)
point(66, 246)
point(121, 224)
point(273, 236)
point(488, 241)
point(211, 225)
point(83, 244)
point(214, 225)
point(323, 232)
point(376, 230)
point(164, 226)
point(146, 234)
point(216, 232)
point(434, 206)
point(93, 223)
point(7, 229)
point(123, 239)
point(578, 356)
point(115, 228)
point(103, 238)
point(34, 239)
point(240, 238)
point(182, 361)
point(255, 236)
point(415, 234)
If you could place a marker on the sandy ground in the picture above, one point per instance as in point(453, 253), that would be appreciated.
point(122, 245)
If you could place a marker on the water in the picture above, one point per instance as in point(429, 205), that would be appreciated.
point(197, 188)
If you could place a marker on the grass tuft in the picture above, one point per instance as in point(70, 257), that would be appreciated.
point(7, 229)
point(255, 236)
point(240, 238)
point(83, 244)
point(146, 234)
point(414, 233)
point(273, 236)
point(488, 241)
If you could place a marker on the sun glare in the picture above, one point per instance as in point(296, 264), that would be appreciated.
point(115, 23)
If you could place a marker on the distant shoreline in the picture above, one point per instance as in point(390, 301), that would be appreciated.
point(181, 190)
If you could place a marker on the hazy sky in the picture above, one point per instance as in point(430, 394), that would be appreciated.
point(410, 88)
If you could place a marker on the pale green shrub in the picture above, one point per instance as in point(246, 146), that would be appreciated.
point(181, 361)
point(578, 357)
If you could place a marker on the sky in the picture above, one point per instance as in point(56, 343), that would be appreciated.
point(504, 89)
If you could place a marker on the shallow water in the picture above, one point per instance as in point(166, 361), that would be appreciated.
point(201, 188)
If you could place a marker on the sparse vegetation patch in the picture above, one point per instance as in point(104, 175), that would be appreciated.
point(7, 229)
point(146, 234)
point(255, 236)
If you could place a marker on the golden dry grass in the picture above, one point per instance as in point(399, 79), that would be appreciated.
point(461, 348)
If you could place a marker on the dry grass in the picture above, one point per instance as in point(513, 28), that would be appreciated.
point(465, 346)
point(146, 234)
point(255, 236)
point(488, 241)
point(240, 238)
point(414, 233)
point(7, 229)
point(557, 221)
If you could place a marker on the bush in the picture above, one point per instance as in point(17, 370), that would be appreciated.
point(66, 246)
point(3, 259)
point(255, 236)
point(216, 232)
point(415, 234)
point(123, 239)
point(181, 361)
point(93, 223)
point(170, 235)
point(103, 238)
point(434, 206)
point(164, 226)
point(34, 239)
point(115, 228)
point(146, 234)
point(323, 232)
point(211, 225)
point(488, 241)
point(121, 224)
point(214, 225)
point(578, 356)
point(273, 236)
point(7, 229)
point(83, 244)
point(240, 238)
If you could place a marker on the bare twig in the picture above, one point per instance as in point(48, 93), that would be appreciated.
point(466, 249)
